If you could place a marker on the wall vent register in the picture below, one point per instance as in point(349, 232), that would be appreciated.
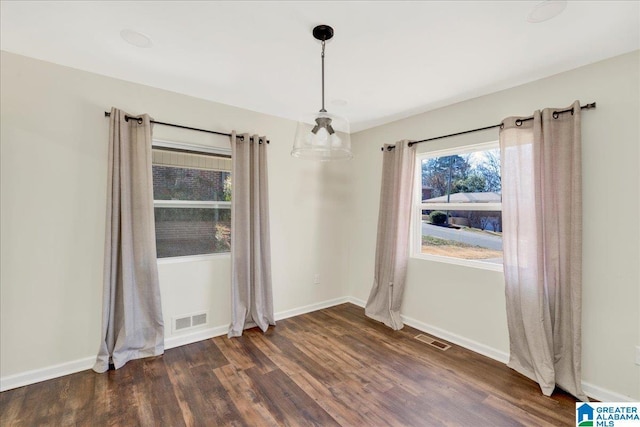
point(189, 321)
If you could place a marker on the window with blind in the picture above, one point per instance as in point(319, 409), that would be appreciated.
point(192, 200)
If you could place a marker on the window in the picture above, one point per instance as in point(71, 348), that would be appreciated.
point(192, 199)
point(458, 206)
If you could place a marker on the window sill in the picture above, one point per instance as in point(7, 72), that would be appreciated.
point(463, 262)
point(193, 258)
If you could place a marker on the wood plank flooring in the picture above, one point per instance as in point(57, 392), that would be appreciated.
point(332, 367)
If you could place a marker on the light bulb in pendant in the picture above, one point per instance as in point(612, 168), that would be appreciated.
point(322, 136)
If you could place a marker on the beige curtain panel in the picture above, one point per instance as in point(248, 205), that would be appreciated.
point(251, 294)
point(542, 243)
point(392, 246)
point(132, 325)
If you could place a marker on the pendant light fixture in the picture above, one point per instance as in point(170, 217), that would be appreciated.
point(322, 136)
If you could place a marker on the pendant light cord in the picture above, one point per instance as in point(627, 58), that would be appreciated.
point(322, 56)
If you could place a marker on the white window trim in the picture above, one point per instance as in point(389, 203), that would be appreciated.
point(459, 261)
point(461, 206)
point(465, 149)
point(416, 222)
point(193, 258)
point(193, 204)
point(220, 151)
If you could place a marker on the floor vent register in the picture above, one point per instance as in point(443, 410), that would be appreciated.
point(432, 342)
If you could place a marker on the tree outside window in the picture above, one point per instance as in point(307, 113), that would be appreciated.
point(460, 204)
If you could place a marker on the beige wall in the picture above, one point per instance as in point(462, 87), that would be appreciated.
point(468, 303)
point(53, 181)
point(53, 148)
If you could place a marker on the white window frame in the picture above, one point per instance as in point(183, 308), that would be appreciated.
point(418, 207)
point(195, 148)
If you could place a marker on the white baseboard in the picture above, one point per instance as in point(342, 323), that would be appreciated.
point(309, 308)
point(590, 390)
point(205, 334)
point(604, 395)
point(55, 371)
point(62, 369)
point(43, 374)
point(472, 345)
point(467, 343)
point(357, 301)
point(448, 336)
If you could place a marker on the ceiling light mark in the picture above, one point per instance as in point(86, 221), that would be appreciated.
point(136, 38)
point(546, 10)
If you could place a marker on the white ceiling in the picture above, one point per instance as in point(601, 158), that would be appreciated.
point(387, 60)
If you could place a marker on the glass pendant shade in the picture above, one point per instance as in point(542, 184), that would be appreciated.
point(322, 136)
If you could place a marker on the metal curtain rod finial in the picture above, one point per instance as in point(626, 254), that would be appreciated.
point(139, 120)
point(519, 122)
point(555, 114)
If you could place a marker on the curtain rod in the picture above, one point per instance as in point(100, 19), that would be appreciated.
point(108, 114)
point(519, 122)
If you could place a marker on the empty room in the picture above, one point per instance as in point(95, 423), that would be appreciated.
point(338, 213)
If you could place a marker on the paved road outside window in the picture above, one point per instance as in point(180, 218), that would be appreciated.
point(485, 240)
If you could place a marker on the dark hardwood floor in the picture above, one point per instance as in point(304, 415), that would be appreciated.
point(326, 368)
